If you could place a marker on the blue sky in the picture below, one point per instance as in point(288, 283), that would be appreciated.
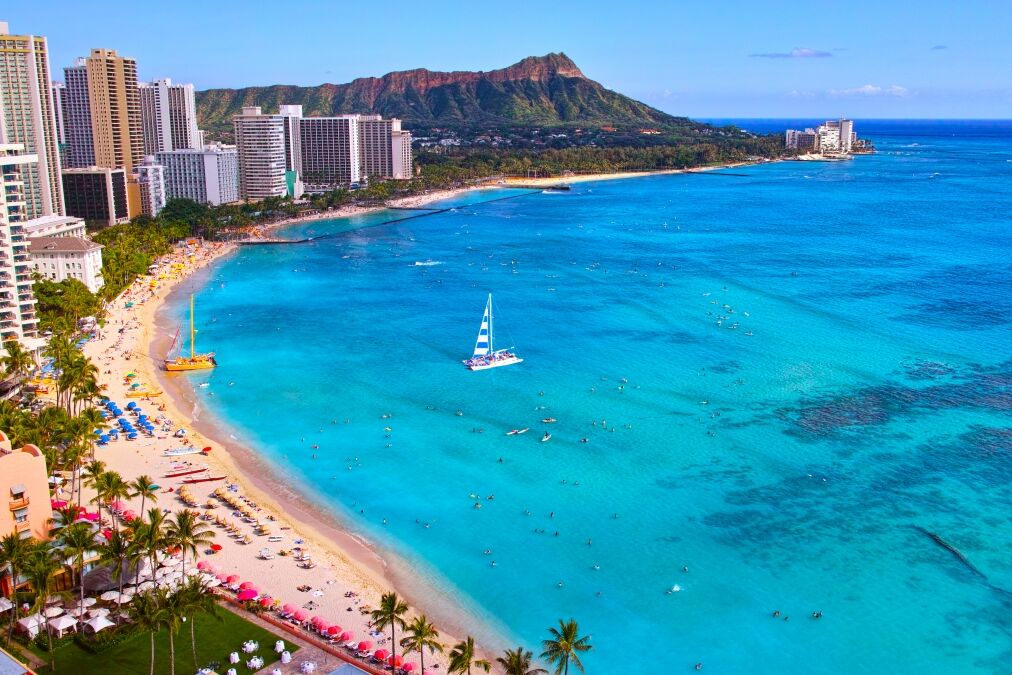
point(731, 58)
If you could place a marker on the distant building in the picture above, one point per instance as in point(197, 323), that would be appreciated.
point(385, 148)
point(28, 118)
point(59, 258)
point(151, 183)
point(806, 141)
point(24, 486)
point(17, 303)
point(168, 117)
point(79, 150)
point(291, 118)
point(330, 152)
point(97, 194)
point(208, 176)
point(58, 89)
point(261, 151)
point(55, 226)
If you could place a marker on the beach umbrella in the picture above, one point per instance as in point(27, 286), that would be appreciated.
point(215, 547)
point(52, 612)
point(288, 609)
point(101, 611)
point(87, 602)
point(334, 630)
point(232, 578)
point(212, 583)
point(247, 584)
point(347, 636)
point(364, 646)
point(316, 620)
point(381, 654)
point(109, 596)
point(301, 615)
point(203, 565)
point(395, 661)
point(248, 594)
point(223, 578)
point(322, 627)
point(265, 602)
point(408, 667)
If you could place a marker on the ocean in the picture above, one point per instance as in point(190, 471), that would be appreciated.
point(780, 390)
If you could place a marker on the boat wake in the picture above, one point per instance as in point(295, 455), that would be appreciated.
point(426, 263)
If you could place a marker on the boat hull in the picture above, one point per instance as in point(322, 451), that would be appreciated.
point(198, 363)
point(496, 364)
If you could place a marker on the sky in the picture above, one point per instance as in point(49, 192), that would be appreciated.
point(729, 59)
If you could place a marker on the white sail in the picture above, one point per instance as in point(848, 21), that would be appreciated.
point(484, 343)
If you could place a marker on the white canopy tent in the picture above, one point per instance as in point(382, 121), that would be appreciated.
point(31, 624)
point(97, 624)
point(5, 605)
point(63, 624)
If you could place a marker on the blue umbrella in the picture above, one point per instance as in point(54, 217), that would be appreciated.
point(132, 436)
point(131, 405)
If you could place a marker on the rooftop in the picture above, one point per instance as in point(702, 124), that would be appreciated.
point(61, 245)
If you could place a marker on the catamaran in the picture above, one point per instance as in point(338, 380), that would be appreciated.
point(195, 361)
point(485, 355)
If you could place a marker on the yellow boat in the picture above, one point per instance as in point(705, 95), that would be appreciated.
point(194, 361)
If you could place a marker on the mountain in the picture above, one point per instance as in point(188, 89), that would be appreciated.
point(546, 90)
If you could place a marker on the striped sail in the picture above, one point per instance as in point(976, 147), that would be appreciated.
point(484, 344)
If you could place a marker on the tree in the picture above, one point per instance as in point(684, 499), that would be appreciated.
point(197, 600)
point(18, 362)
point(41, 570)
point(564, 646)
point(421, 635)
point(91, 475)
point(146, 614)
point(390, 613)
point(75, 540)
point(188, 533)
point(462, 657)
point(114, 488)
point(173, 609)
point(144, 487)
point(117, 552)
point(15, 553)
point(148, 537)
point(518, 662)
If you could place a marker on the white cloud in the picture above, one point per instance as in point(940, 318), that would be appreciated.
point(871, 90)
point(796, 53)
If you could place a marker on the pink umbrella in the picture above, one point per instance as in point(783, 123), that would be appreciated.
point(247, 594)
point(301, 615)
point(322, 627)
point(408, 667)
point(88, 515)
point(202, 565)
point(288, 609)
point(381, 654)
point(57, 503)
point(364, 646)
point(265, 602)
point(118, 505)
point(232, 578)
point(334, 630)
point(315, 621)
point(395, 661)
point(107, 533)
point(129, 515)
point(347, 636)
point(246, 584)
point(223, 578)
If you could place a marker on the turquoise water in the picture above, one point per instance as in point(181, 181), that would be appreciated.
point(787, 463)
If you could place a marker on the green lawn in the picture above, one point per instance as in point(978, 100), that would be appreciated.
point(215, 641)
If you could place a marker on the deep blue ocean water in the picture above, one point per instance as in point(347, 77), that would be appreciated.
point(787, 456)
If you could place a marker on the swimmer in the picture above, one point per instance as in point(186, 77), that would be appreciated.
point(493, 563)
point(590, 542)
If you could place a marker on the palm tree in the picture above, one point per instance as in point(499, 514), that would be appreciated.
point(41, 570)
point(198, 601)
point(518, 662)
point(173, 609)
point(14, 555)
point(149, 536)
point(421, 635)
point(90, 476)
point(95, 421)
point(146, 614)
point(114, 488)
point(75, 540)
point(64, 516)
point(143, 487)
point(18, 361)
point(390, 613)
point(188, 533)
point(117, 553)
point(564, 646)
point(462, 658)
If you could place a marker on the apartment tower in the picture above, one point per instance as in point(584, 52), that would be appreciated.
point(17, 303)
point(168, 117)
point(208, 176)
point(261, 154)
point(330, 152)
point(115, 109)
point(28, 118)
point(80, 142)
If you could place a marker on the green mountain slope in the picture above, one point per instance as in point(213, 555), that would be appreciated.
point(538, 91)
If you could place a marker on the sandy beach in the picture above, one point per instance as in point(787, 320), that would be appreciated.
point(348, 577)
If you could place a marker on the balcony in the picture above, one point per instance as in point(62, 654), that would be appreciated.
point(19, 503)
point(23, 526)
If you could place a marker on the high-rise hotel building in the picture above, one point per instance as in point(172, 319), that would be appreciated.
point(28, 118)
point(168, 117)
point(330, 152)
point(208, 176)
point(385, 148)
point(260, 148)
point(115, 109)
point(79, 150)
point(17, 302)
